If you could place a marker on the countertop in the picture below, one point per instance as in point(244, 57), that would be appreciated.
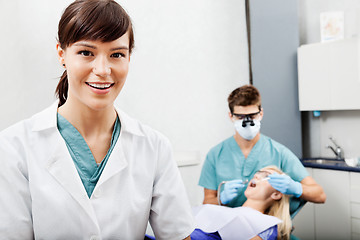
point(339, 165)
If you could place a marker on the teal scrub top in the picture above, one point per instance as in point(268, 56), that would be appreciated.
point(226, 162)
point(89, 171)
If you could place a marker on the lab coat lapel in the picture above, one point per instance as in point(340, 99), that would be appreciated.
point(60, 164)
point(115, 164)
point(62, 168)
point(117, 160)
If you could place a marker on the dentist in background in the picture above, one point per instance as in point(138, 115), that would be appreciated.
point(239, 157)
point(82, 168)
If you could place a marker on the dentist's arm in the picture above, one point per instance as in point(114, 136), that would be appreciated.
point(312, 191)
point(210, 196)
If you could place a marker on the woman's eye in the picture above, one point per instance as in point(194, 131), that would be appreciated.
point(117, 55)
point(86, 53)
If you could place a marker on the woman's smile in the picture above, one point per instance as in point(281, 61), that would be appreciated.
point(100, 85)
point(100, 88)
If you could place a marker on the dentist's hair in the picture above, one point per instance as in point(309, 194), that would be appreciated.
point(281, 209)
point(245, 95)
point(103, 20)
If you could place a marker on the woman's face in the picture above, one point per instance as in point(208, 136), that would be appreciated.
point(96, 71)
point(259, 188)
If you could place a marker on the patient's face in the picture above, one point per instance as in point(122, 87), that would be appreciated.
point(259, 188)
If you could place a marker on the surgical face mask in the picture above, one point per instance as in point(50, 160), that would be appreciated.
point(248, 132)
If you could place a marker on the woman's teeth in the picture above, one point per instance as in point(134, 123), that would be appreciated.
point(100, 85)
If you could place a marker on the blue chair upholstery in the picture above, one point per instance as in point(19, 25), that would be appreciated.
point(295, 206)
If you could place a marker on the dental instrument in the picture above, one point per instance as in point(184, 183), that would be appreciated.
point(254, 182)
point(263, 179)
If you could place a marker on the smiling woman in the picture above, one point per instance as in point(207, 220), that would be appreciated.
point(82, 168)
point(95, 72)
point(105, 24)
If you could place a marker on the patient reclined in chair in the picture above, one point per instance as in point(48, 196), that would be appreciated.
point(264, 215)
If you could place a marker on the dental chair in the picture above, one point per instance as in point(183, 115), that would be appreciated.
point(296, 204)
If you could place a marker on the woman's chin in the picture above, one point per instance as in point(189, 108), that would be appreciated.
point(100, 104)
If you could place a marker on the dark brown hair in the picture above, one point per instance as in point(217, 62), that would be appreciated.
point(103, 20)
point(244, 96)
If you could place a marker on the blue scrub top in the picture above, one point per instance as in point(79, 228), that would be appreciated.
point(89, 171)
point(226, 162)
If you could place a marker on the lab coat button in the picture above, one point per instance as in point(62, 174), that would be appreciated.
point(97, 193)
point(94, 238)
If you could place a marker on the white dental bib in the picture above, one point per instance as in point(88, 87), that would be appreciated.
point(232, 223)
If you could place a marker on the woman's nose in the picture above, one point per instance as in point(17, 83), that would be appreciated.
point(101, 67)
point(257, 177)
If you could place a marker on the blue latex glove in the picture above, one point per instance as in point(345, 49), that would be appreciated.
point(284, 184)
point(230, 190)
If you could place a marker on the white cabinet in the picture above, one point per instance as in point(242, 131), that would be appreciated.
point(333, 219)
point(328, 75)
point(304, 221)
point(355, 204)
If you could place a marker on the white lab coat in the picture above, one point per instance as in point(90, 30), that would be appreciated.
point(42, 196)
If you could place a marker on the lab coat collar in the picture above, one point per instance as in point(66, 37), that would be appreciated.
point(45, 119)
point(60, 164)
point(129, 124)
point(48, 119)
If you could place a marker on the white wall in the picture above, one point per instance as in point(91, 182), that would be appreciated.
point(28, 65)
point(342, 125)
point(189, 55)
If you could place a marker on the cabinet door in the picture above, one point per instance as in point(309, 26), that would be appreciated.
point(313, 78)
point(304, 221)
point(332, 219)
point(355, 204)
point(329, 75)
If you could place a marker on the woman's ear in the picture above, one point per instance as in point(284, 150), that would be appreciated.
point(60, 53)
point(276, 195)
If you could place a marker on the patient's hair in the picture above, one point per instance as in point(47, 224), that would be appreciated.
point(244, 96)
point(281, 210)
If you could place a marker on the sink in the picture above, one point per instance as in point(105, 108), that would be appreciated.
point(332, 163)
point(325, 161)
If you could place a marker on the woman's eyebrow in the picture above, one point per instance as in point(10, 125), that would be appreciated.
point(120, 48)
point(82, 44)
